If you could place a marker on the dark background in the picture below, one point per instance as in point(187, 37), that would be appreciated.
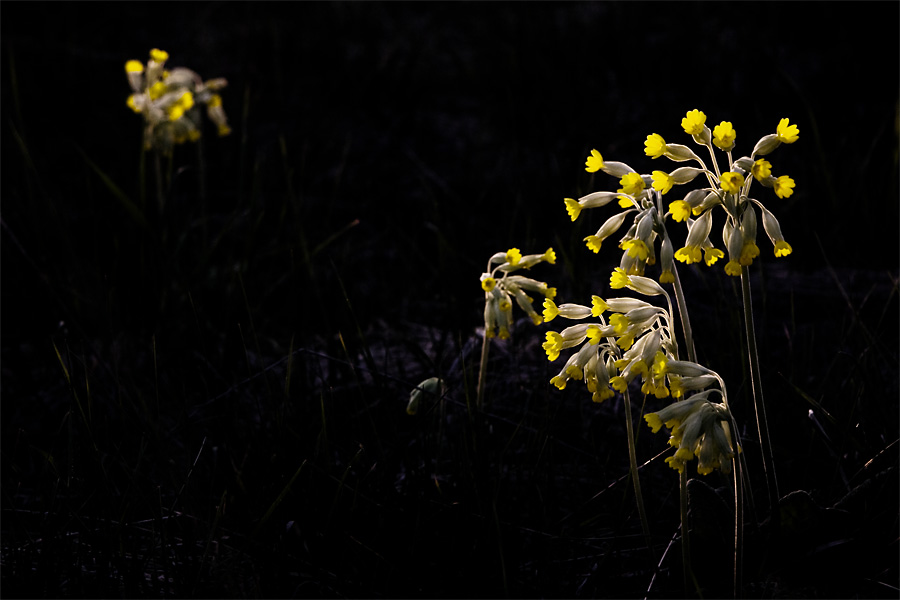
point(380, 153)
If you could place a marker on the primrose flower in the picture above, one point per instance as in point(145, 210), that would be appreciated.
point(699, 429)
point(594, 162)
point(662, 181)
point(787, 133)
point(680, 210)
point(694, 122)
point(632, 184)
point(168, 98)
point(731, 182)
point(724, 135)
point(784, 186)
point(762, 169)
point(655, 145)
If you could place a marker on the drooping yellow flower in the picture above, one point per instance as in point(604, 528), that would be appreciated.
point(655, 145)
point(619, 279)
point(693, 122)
point(733, 268)
point(550, 256)
point(711, 255)
point(593, 243)
point(724, 135)
point(632, 184)
point(748, 252)
point(782, 248)
point(761, 169)
point(680, 210)
point(787, 133)
point(731, 182)
point(784, 186)
point(662, 181)
point(594, 162)
point(488, 283)
point(689, 254)
point(636, 249)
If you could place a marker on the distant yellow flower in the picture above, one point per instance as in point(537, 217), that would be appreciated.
point(689, 254)
point(636, 249)
point(655, 145)
point(134, 66)
point(488, 283)
point(513, 256)
point(619, 279)
point(711, 255)
point(594, 162)
point(787, 133)
point(724, 135)
point(693, 122)
point(632, 184)
point(731, 182)
point(733, 268)
point(593, 243)
point(550, 256)
point(748, 252)
point(159, 55)
point(784, 186)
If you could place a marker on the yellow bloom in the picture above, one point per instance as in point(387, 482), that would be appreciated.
point(593, 243)
point(733, 268)
point(132, 104)
point(632, 184)
point(693, 122)
point(787, 133)
point(598, 306)
point(550, 309)
point(655, 145)
point(662, 181)
point(711, 255)
point(784, 186)
point(688, 254)
point(680, 210)
point(619, 279)
point(559, 382)
point(134, 66)
point(636, 249)
point(573, 208)
point(513, 256)
point(488, 283)
point(782, 248)
point(724, 135)
point(761, 169)
point(731, 182)
point(748, 253)
point(159, 55)
point(550, 256)
point(594, 162)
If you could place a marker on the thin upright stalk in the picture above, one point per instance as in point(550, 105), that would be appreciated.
point(485, 348)
point(685, 318)
point(632, 458)
point(758, 402)
point(685, 537)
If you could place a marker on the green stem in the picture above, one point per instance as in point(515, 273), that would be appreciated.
point(632, 458)
point(758, 402)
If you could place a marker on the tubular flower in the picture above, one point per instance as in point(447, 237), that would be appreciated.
point(731, 182)
point(762, 169)
point(655, 145)
point(724, 135)
point(784, 186)
point(694, 122)
point(662, 181)
point(787, 133)
point(680, 210)
point(594, 162)
point(748, 252)
point(711, 255)
point(573, 208)
point(619, 279)
point(636, 249)
point(773, 230)
point(513, 256)
point(632, 184)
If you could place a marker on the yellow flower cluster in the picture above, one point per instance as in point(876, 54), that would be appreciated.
point(640, 196)
point(167, 99)
point(500, 288)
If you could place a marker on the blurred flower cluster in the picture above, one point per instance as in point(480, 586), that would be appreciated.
point(500, 288)
point(641, 195)
point(169, 100)
point(637, 340)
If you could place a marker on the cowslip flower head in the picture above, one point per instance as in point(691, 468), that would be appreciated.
point(594, 162)
point(761, 169)
point(655, 145)
point(784, 186)
point(662, 182)
point(632, 184)
point(694, 122)
point(724, 136)
point(168, 101)
point(731, 182)
point(786, 132)
point(500, 288)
